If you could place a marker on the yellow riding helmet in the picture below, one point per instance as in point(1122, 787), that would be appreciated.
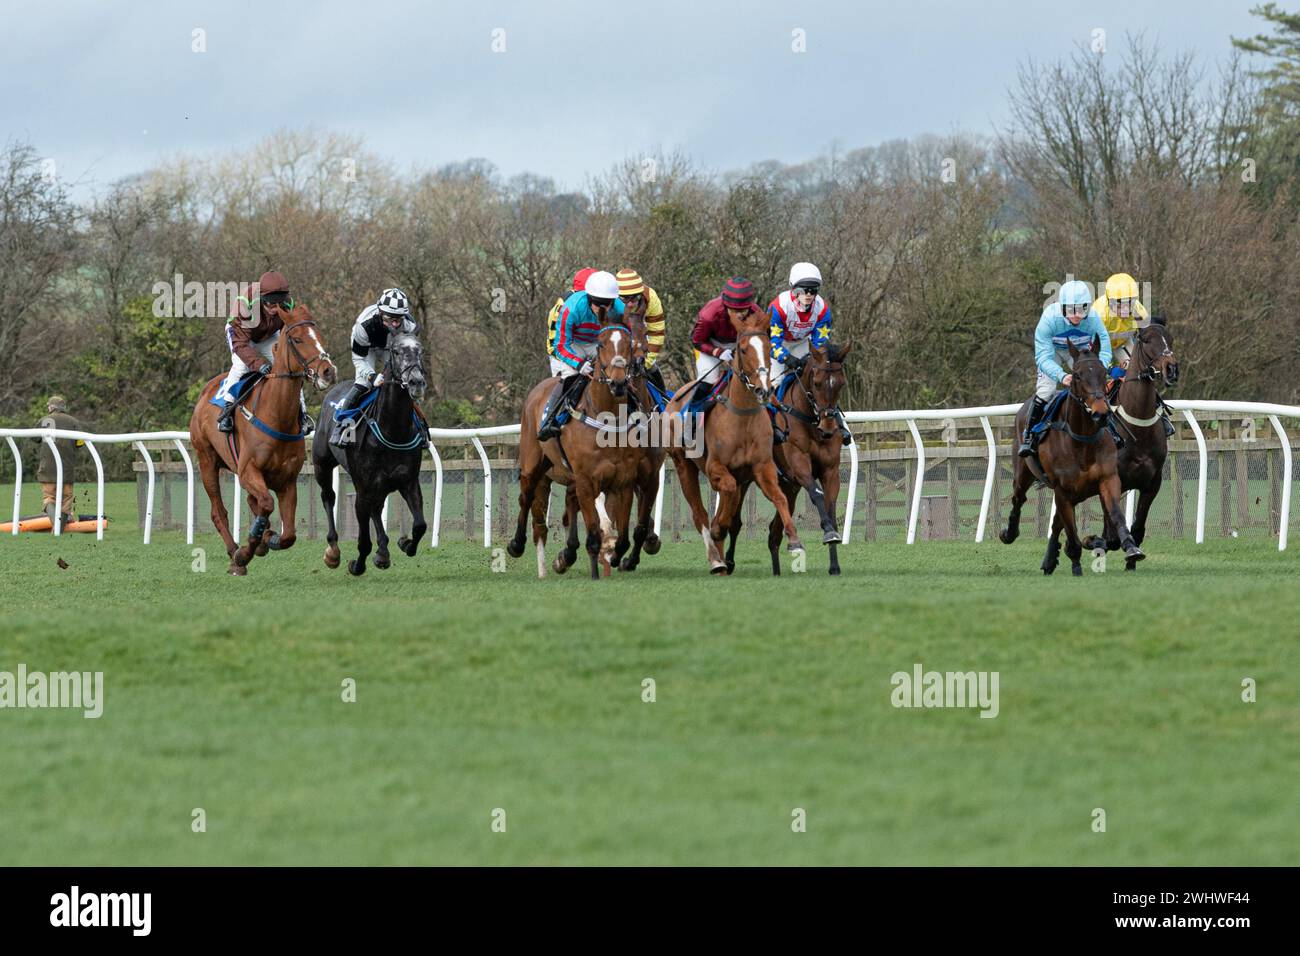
point(1121, 286)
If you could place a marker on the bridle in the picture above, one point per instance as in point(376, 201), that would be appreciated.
point(1149, 372)
point(738, 367)
point(309, 370)
point(818, 410)
point(603, 369)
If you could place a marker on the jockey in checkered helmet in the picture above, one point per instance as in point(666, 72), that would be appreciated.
point(374, 329)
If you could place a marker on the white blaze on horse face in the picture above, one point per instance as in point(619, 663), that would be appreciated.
point(762, 365)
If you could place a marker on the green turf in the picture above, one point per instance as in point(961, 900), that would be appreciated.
point(480, 690)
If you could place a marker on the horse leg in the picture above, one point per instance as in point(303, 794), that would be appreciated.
point(1146, 498)
point(382, 559)
point(724, 483)
point(260, 505)
point(775, 531)
point(767, 479)
point(1021, 481)
point(325, 481)
point(591, 520)
point(529, 478)
point(831, 490)
point(646, 491)
point(1073, 549)
point(211, 475)
point(364, 509)
point(1112, 500)
point(541, 498)
point(733, 532)
point(568, 556)
point(688, 476)
point(288, 533)
point(622, 521)
point(1053, 556)
point(414, 498)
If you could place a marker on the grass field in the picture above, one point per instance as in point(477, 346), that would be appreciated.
point(479, 690)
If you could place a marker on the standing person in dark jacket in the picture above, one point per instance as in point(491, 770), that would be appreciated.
point(47, 473)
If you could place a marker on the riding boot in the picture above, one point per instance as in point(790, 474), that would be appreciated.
point(779, 434)
point(845, 435)
point(1029, 441)
point(343, 431)
point(226, 420)
point(657, 377)
point(566, 394)
point(1169, 426)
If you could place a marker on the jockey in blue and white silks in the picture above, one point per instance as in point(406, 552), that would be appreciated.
point(1070, 320)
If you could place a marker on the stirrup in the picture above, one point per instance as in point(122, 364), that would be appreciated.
point(1026, 445)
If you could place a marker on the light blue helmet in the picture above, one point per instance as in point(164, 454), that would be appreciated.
point(1075, 293)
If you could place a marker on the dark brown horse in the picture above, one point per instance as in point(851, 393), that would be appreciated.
point(266, 450)
point(1141, 461)
point(1077, 458)
point(590, 455)
point(809, 458)
point(737, 447)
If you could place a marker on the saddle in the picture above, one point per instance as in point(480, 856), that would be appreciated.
point(238, 391)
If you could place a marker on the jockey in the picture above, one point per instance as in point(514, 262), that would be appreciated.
point(553, 319)
point(714, 337)
point(801, 320)
point(800, 317)
point(1068, 321)
point(579, 322)
point(1121, 312)
point(252, 340)
point(636, 295)
point(389, 316)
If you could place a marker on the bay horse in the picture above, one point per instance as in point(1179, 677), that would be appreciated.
point(654, 453)
point(809, 458)
point(1078, 460)
point(384, 457)
point(1141, 461)
point(266, 449)
point(588, 455)
point(737, 438)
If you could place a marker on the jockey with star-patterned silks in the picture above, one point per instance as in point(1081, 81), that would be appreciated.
point(389, 317)
point(1068, 320)
point(800, 317)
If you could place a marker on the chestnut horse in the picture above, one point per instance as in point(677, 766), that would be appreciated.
point(1077, 458)
point(1138, 404)
point(737, 447)
point(266, 450)
point(591, 455)
point(810, 456)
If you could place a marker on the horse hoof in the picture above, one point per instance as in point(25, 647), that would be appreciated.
point(731, 567)
point(515, 549)
point(406, 546)
point(1005, 536)
point(1076, 570)
point(356, 570)
point(1048, 568)
point(261, 549)
point(834, 571)
point(1130, 566)
point(718, 569)
point(238, 570)
point(627, 564)
point(1134, 553)
point(652, 544)
point(794, 547)
point(382, 562)
point(332, 558)
point(558, 565)
point(831, 537)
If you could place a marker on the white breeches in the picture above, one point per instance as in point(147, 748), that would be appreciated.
point(238, 369)
point(1047, 387)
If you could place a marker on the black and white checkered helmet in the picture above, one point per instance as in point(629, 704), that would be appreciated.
point(393, 302)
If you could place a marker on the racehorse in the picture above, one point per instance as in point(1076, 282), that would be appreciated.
point(588, 454)
point(737, 447)
point(266, 449)
point(809, 458)
point(1078, 460)
point(1138, 405)
point(384, 456)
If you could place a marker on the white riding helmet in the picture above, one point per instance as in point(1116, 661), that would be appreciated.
point(602, 285)
point(804, 272)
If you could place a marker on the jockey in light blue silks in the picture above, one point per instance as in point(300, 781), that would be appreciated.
point(1070, 320)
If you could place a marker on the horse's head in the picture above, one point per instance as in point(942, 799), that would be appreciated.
point(634, 309)
point(302, 349)
point(823, 378)
point(614, 348)
point(1155, 352)
point(1088, 380)
point(406, 357)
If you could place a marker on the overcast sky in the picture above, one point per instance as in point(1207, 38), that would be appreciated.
point(108, 88)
